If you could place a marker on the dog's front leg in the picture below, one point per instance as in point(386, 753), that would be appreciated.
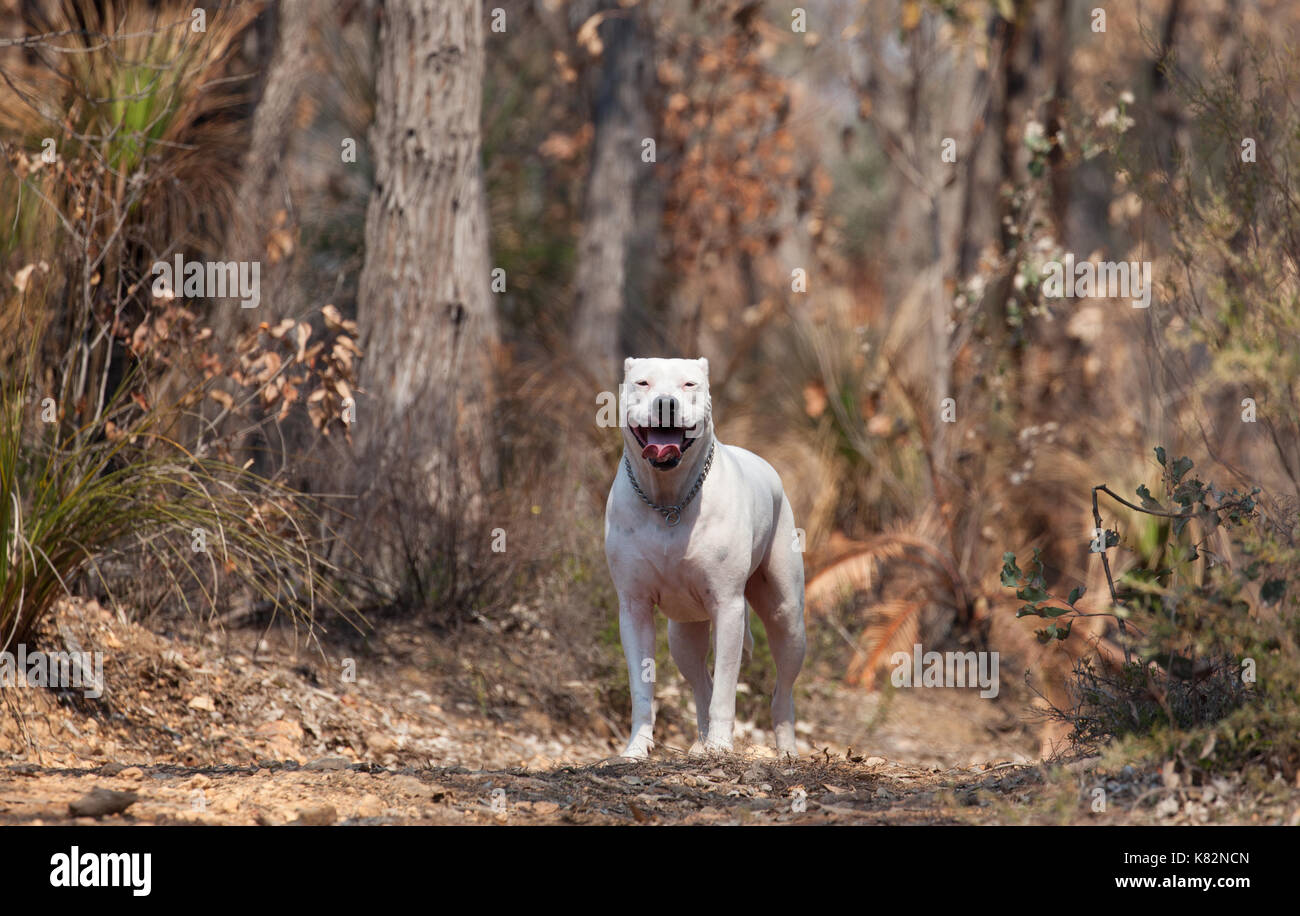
point(728, 646)
point(636, 630)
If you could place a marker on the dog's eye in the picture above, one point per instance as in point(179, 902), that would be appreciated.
point(688, 385)
point(642, 384)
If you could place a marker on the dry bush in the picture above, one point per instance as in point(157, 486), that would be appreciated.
point(144, 118)
point(120, 493)
point(121, 132)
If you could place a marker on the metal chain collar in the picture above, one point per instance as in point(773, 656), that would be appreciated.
point(672, 514)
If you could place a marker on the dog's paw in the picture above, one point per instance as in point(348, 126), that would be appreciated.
point(709, 749)
point(636, 750)
point(785, 746)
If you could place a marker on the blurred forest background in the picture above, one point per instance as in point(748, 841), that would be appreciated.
point(466, 214)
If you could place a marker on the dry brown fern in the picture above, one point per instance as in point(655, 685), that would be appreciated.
point(895, 627)
point(928, 579)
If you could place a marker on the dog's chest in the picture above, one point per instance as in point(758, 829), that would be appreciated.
point(682, 569)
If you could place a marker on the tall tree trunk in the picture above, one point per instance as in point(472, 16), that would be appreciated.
point(1058, 53)
point(263, 186)
point(607, 283)
point(260, 192)
point(424, 305)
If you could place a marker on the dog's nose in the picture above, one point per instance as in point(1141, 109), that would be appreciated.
point(664, 411)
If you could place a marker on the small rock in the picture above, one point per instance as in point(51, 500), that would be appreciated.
point(131, 773)
point(202, 702)
point(318, 816)
point(1168, 807)
point(1170, 776)
point(280, 728)
point(283, 737)
point(174, 658)
point(409, 785)
point(328, 763)
point(874, 762)
point(370, 805)
point(100, 801)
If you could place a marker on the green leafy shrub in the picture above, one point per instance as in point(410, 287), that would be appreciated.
point(1208, 621)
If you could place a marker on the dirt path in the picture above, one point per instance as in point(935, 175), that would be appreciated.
point(249, 727)
point(731, 791)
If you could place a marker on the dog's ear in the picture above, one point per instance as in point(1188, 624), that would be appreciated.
point(704, 364)
point(627, 364)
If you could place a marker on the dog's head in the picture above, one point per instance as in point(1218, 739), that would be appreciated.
point(667, 407)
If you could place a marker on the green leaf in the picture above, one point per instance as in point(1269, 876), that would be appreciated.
point(1272, 591)
point(1011, 574)
point(1160, 455)
point(1147, 501)
point(1032, 593)
point(1181, 467)
point(1036, 569)
point(1075, 594)
point(1054, 632)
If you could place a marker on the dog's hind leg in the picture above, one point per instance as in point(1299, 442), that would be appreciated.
point(689, 644)
point(776, 593)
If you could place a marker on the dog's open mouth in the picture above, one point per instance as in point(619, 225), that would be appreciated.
point(663, 446)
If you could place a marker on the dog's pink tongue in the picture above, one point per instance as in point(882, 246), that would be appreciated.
point(662, 443)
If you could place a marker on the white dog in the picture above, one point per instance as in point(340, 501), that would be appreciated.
point(694, 528)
